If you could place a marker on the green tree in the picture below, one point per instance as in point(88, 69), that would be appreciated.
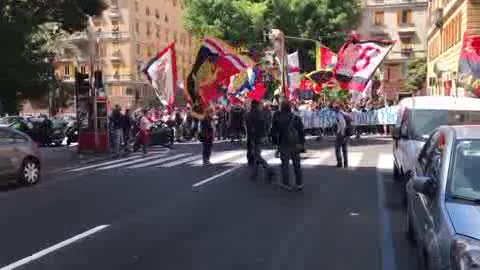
point(243, 21)
point(416, 76)
point(29, 27)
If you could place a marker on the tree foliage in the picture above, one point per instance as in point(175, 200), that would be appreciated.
point(244, 21)
point(416, 76)
point(28, 27)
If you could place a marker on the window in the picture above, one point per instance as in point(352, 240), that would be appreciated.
point(157, 33)
point(174, 3)
point(175, 36)
point(137, 8)
point(103, 50)
point(114, 3)
point(165, 18)
point(83, 69)
point(404, 16)
point(129, 92)
point(167, 32)
point(147, 11)
point(378, 18)
point(157, 14)
point(139, 49)
point(149, 26)
point(463, 182)
point(137, 27)
point(66, 70)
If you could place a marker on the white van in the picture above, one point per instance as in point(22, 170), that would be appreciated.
point(418, 117)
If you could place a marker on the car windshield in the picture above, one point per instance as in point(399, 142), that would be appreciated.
point(464, 182)
point(423, 122)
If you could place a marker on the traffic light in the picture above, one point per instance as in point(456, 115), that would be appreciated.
point(97, 75)
point(82, 84)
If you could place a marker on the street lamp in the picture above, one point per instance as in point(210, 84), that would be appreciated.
point(49, 59)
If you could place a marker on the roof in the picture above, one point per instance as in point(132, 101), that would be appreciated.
point(466, 132)
point(442, 103)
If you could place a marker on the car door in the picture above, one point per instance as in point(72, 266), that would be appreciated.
point(423, 204)
point(6, 151)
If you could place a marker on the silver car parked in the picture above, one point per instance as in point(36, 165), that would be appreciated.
point(19, 157)
point(443, 196)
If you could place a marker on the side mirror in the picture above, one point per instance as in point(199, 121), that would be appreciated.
point(421, 184)
point(396, 133)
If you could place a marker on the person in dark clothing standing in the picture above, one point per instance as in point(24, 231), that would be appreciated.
point(288, 134)
point(127, 128)
point(206, 136)
point(341, 138)
point(256, 135)
point(116, 125)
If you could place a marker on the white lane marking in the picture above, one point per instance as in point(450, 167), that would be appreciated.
point(354, 159)
point(181, 161)
point(266, 154)
point(126, 163)
point(216, 176)
point(388, 249)
point(385, 161)
point(316, 160)
point(155, 162)
point(51, 249)
point(220, 157)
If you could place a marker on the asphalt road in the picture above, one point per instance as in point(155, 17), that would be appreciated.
point(164, 211)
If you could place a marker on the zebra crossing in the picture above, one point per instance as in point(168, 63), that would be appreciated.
point(232, 158)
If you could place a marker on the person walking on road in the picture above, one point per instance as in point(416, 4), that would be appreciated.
point(342, 136)
point(116, 125)
point(127, 128)
point(288, 134)
point(143, 135)
point(206, 136)
point(256, 136)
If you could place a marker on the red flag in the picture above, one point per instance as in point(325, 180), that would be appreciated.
point(469, 64)
point(358, 60)
point(258, 92)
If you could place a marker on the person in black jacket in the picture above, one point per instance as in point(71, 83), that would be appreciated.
point(256, 135)
point(206, 136)
point(288, 134)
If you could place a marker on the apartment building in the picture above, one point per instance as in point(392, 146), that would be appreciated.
point(404, 21)
point(121, 41)
point(448, 21)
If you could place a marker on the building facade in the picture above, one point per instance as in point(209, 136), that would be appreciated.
point(121, 41)
point(404, 21)
point(448, 21)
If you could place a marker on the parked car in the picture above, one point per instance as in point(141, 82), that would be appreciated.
point(20, 157)
point(8, 120)
point(418, 117)
point(443, 200)
point(161, 134)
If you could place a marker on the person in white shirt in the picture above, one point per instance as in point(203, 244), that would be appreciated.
point(341, 139)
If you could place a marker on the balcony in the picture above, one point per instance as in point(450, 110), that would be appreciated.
point(115, 36)
point(116, 56)
point(396, 2)
point(117, 77)
point(78, 37)
point(115, 13)
point(406, 50)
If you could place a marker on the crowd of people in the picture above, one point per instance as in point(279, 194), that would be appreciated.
point(259, 123)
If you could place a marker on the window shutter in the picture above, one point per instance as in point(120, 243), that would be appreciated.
point(409, 16)
point(399, 17)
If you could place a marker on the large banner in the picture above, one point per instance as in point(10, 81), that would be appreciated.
point(326, 118)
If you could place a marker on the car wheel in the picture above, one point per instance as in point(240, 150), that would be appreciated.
point(30, 173)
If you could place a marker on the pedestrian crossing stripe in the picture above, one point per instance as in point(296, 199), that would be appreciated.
point(126, 163)
point(181, 161)
point(155, 162)
point(221, 157)
point(312, 158)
